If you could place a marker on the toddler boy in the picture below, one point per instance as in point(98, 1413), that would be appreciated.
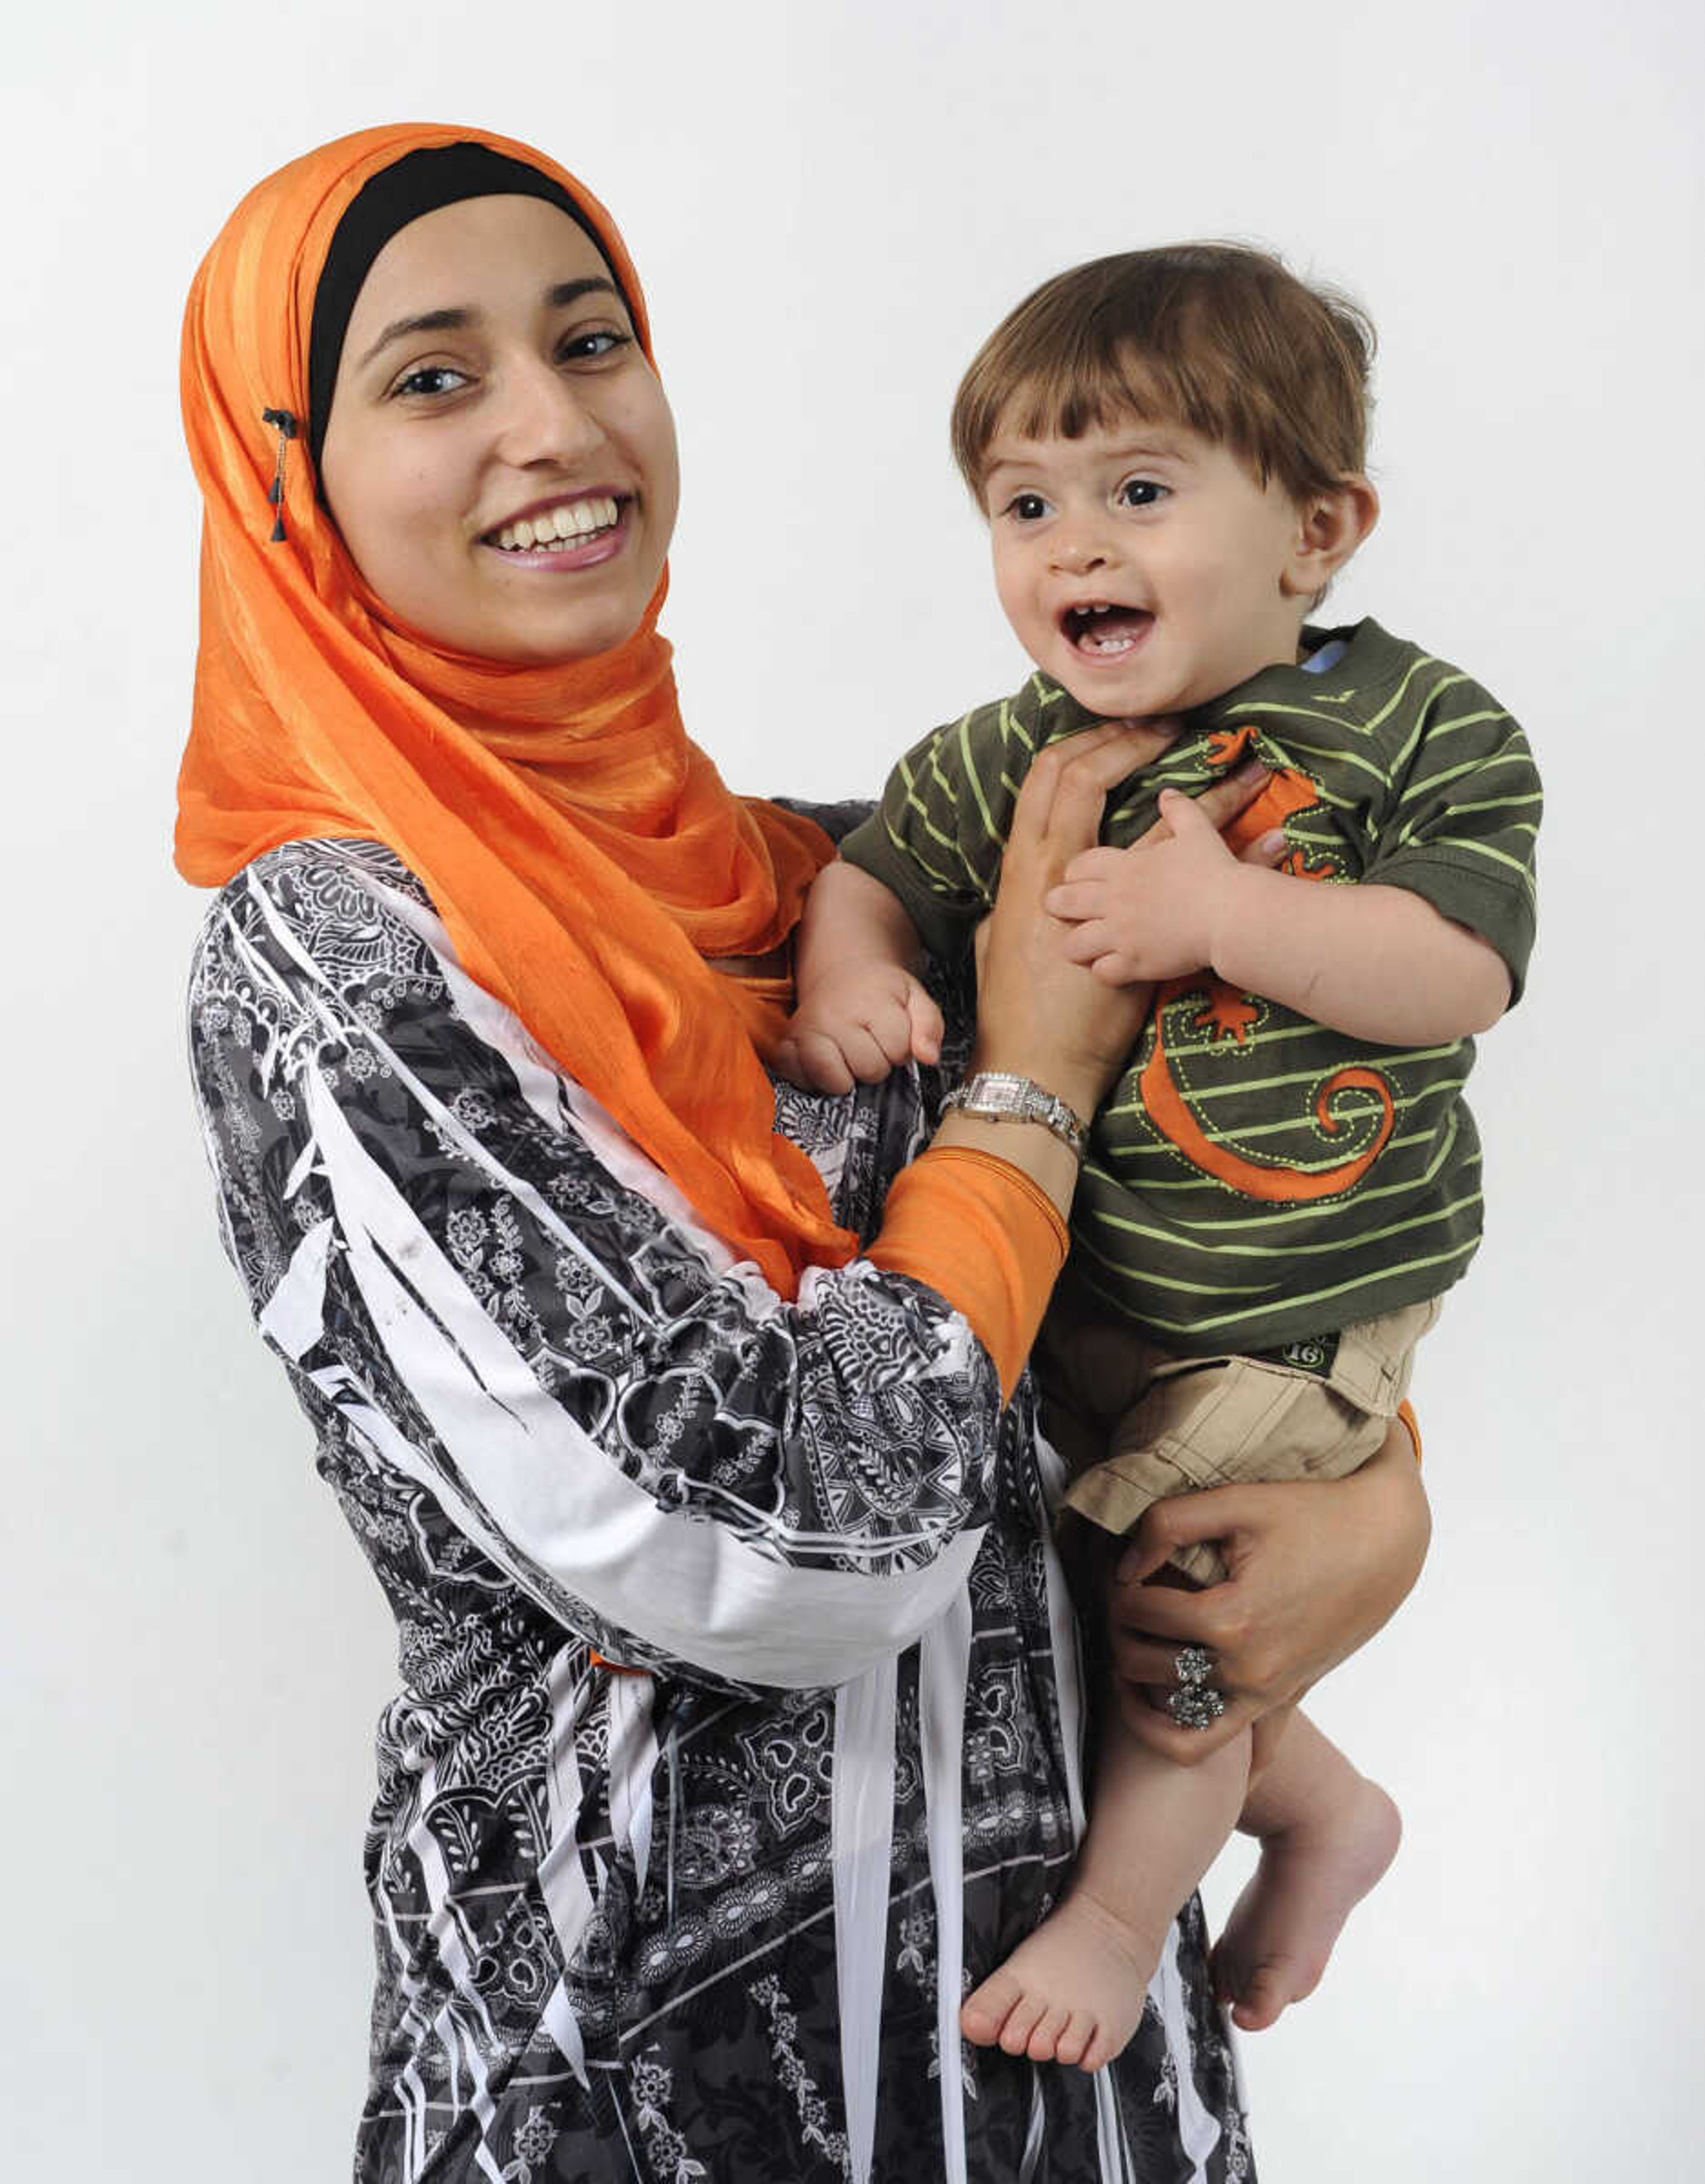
point(1169, 446)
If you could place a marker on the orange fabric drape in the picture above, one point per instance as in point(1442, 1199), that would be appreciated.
point(585, 856)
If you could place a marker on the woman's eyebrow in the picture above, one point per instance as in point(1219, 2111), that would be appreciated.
point(455, 315)
point(424, 323)
point(571, 292)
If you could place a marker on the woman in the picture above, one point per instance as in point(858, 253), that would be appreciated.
point(739, 1709)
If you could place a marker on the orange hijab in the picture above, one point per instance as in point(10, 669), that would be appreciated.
point(584, 855)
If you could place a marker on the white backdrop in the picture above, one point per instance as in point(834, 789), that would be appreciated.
point(830, 205)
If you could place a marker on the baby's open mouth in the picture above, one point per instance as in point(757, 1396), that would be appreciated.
point(570, 523)
point(1106, 631)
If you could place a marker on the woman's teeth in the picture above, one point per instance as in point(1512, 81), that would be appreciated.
point(574, 519)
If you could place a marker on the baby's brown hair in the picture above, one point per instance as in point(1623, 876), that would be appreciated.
point(1214, 335)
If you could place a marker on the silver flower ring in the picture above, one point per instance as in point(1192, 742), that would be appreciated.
point(1195, 1706)
point(1192, 1665)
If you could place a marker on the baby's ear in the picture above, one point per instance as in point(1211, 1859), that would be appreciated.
point(1329, 527)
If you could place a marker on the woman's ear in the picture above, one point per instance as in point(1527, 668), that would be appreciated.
point(1329, 527)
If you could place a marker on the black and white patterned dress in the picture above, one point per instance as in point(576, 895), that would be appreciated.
point(712, 1920)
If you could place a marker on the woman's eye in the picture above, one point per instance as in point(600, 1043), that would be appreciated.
point(600, 341)
point(430, 379)
point(1140, 493)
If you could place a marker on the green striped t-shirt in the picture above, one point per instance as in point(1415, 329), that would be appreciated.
point(1230, 1201)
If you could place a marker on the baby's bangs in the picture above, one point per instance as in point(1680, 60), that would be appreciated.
point(1100, 386)
point(1217, 337)
point(1090, 375)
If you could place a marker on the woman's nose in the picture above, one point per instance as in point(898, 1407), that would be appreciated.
point(545, 417)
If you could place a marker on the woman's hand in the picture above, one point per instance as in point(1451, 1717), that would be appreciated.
point(1314, 1570)
point(1038, 1012)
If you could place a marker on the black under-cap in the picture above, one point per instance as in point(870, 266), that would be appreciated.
point(419, 182)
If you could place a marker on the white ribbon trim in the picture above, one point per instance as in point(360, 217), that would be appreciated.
point(687, 1586)
point(562, 1879)
point(1199, 2132)
point(861, 1841)
point(944, 1672)
point(632, 1763)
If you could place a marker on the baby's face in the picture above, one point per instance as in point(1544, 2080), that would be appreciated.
point(1143, 567)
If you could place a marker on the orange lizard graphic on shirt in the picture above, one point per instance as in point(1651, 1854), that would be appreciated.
point(1227, 1013)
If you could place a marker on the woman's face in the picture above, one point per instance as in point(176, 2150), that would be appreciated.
point(500, 458)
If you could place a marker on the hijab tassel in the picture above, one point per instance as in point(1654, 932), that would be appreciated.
point(285, 423)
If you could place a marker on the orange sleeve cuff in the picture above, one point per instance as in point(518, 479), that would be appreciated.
point(981, 1234)
point(1406, 1412)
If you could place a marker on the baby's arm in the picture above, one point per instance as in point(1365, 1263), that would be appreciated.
point(1377, 963)
point(860, 1008)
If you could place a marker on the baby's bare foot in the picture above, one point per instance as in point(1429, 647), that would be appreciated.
point(1071, 1993)
point(1282, 1927)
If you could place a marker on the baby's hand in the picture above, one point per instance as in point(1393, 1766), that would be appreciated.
point(1149, 911)
point(857, 1021)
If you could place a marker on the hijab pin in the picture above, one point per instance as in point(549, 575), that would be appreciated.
point(284, 422)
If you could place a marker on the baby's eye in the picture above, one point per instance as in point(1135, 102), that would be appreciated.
point(1140, 493)
point(1027, 507)
point(430, 379)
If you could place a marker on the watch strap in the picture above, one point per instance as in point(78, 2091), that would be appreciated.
point(997, 1095)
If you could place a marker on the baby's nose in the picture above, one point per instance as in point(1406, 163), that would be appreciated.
point(1079, 552)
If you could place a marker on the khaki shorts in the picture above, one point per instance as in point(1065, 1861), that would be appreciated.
point(1136, 1423)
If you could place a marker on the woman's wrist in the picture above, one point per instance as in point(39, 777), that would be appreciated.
point(1030, 1147)
point(1081, 1084)
point(1000, 1096)
point(1386, 1530)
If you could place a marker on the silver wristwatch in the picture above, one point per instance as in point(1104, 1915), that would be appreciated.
point(993, 1096)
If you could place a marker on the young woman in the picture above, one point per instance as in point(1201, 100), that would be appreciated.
point(679, 1414)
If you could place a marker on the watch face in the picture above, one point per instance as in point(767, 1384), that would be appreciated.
point(1008, 1095)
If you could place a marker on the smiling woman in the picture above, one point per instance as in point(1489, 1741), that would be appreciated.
point(680, 1414)
point(489, 434)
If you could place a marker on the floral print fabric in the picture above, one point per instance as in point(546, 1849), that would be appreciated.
point(739, 1712)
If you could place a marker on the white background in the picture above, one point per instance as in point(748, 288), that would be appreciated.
point(830, 205)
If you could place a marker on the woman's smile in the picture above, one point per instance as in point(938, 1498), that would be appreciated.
point(534, 534)
point(499, 456)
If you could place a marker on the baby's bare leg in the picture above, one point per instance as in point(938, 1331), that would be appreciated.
point(1074, 1991)
point(1326, 1833)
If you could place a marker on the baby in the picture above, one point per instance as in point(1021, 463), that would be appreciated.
point(1169, 447)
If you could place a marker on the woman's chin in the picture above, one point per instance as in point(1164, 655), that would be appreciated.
point(536, 640)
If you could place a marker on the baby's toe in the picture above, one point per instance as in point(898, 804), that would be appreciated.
point(987, 2009)
point(1080, 2030)
point(1045, 2041)
point(1021, 2020)
point(1261, 1997)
